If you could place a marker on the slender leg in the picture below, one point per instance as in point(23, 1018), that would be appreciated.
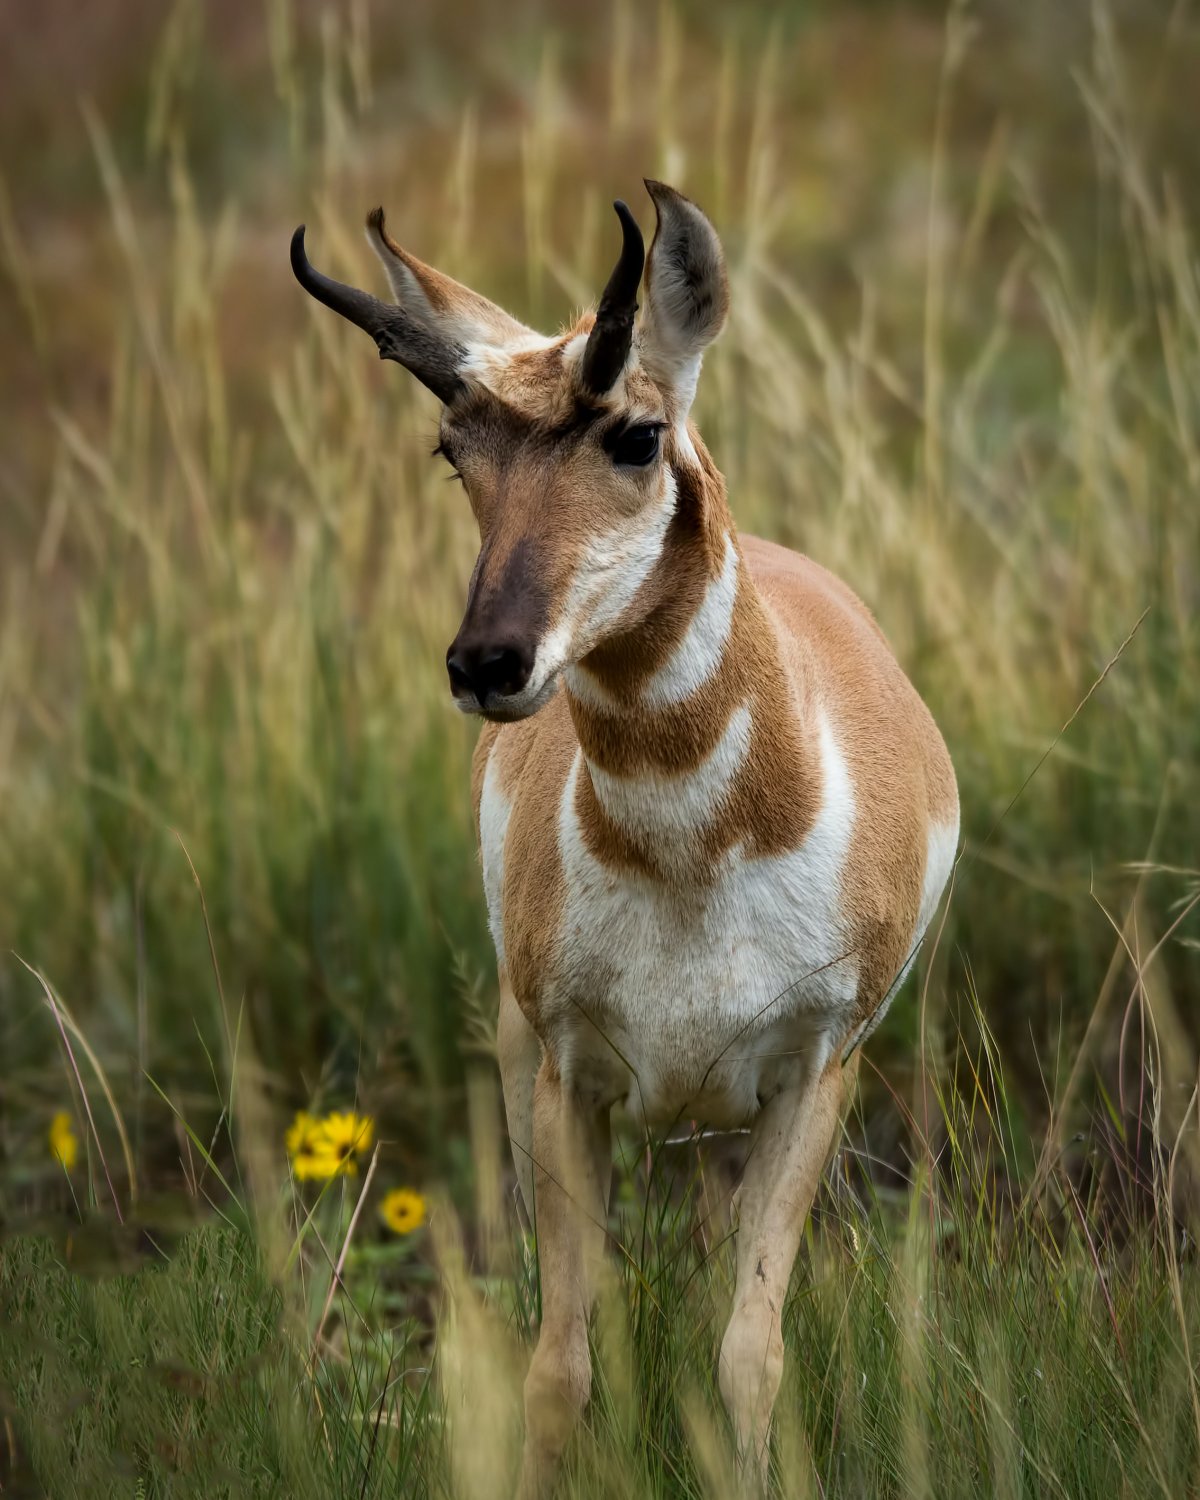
point(573, 1166)
point(520, 1054)
point(719, 1173)
point(790, 1146)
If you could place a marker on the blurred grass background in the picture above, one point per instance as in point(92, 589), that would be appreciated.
point(963, 370)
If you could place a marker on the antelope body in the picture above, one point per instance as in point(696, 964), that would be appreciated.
point(715, 819)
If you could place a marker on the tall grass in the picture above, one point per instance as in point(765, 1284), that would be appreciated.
point(229, 626)
point(220, 674)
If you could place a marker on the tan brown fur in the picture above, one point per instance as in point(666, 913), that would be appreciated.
point(511, 442)
point(533, 759)
point(802, 652)
point(902, 777)
point(799, 641)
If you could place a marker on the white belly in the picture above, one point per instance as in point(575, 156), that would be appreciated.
point(699, 1013)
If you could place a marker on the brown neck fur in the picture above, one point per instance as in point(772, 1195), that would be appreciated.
point(693, 554)
point(630, 738)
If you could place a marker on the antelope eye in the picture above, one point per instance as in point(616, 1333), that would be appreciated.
point(637, 446)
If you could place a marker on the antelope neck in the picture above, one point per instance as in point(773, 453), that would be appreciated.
point(678, 719)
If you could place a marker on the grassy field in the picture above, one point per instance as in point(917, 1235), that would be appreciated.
point(237, 874)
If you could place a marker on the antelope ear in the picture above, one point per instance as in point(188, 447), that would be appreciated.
point(443, 306)
point(686, 292)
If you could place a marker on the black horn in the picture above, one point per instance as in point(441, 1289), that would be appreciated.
point(434, 361)
point(609, 341)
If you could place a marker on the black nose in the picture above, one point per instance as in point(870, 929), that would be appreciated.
point(488, 670)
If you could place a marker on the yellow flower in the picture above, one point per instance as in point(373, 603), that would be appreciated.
point(64, 1146)
point(403, 1210)
point(303, 1128)
point(345, 1136)
point(321, 1149)
point(314, 1166)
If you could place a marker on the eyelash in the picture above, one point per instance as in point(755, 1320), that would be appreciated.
point(441, 451)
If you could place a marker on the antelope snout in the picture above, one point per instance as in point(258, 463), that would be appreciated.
point(488, 668)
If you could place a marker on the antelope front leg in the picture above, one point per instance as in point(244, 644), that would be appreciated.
point(791, 1143)
point(572, 1168)
point(520, 1055)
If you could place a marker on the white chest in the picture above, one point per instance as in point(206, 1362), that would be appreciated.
point(694, 1001)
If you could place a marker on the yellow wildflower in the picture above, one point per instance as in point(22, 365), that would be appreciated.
point(64, 1146)
point(302, 1129)
point(345, 1136)
point(314, 1166)
point(403, 1210)
point(321, 1149)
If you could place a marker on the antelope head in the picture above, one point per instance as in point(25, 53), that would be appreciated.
point(569, 447)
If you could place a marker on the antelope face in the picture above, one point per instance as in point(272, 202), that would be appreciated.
point(566, 446)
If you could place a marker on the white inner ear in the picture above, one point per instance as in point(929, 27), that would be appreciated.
point(676, 369)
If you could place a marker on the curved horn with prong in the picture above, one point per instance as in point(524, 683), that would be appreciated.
point(435, 362)
point(612, 334)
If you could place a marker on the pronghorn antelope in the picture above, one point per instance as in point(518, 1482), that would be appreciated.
point(715, 819)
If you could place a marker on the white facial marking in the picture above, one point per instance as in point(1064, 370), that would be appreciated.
point(683, 441)
point(710, 991)
point(573, 352)
point(702, 648)
point(606, 581)
point(494, 812)
point(588, 688)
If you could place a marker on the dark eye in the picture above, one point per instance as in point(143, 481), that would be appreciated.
point(637, 446)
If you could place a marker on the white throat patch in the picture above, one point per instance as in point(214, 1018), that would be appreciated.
point(702, 648)
point(614, 566)
point(697, 657)
point(673, 809)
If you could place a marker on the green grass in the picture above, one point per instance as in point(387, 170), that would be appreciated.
point(958, 1345)
point(962, 370)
